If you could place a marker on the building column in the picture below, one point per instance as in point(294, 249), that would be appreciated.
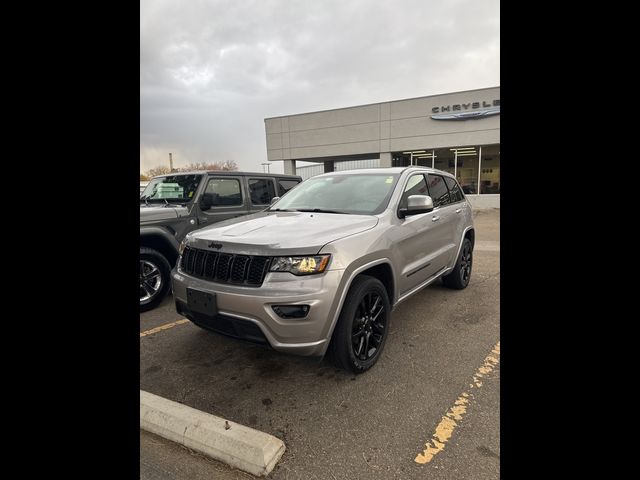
point(289, 167)
point(328, 166)
point(385, 159)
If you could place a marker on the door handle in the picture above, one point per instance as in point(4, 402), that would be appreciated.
point(458, 210)
point(435, 219)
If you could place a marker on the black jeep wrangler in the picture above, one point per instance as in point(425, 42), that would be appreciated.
point(173, 205)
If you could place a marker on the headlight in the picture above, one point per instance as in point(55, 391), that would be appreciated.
point(183, 244)
point(300, 265)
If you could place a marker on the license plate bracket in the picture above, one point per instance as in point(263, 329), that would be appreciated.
point(202, 302)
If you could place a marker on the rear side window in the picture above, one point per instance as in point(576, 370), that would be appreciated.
point(438, 190)
point(284, 185)
point(454, 190)
point(415, 186)
point(261, 191)
point(224, 192)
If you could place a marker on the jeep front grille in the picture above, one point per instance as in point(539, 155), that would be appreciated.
point(224, 267)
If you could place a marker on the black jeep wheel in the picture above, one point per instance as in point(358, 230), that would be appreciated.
point(461, 273)
point(154, 278)
point(361, 331)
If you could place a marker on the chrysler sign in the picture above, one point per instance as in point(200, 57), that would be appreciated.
point(466, 111)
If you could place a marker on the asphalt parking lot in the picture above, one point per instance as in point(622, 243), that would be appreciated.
point(437, 382)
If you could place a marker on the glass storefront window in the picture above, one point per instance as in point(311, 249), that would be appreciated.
point(424, 159)
point(400, 160)
point(467, 171)
point(472, 161)
point(490, 169)
point(445, 160)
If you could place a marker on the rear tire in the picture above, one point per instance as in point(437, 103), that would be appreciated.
point(155, 278)
point(362, 329)
point(461, 273)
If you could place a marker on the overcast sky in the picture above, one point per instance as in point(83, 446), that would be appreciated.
point(212, 70)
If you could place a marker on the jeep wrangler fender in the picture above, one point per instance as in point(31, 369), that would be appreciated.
point(161, 240)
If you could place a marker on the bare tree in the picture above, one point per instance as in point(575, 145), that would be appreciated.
point(143, 177)
point(228, 165)
point(159, 170)
point(195, 166)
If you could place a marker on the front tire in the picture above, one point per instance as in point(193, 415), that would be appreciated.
point(155, 278)
point(461, 273)
point(361, 331)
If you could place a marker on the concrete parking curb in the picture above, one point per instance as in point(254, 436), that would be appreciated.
point(231, 443)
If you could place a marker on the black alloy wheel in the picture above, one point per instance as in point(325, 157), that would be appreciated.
point(362, 328)
point(459, 277)
point(465, 263)
point(368, 326)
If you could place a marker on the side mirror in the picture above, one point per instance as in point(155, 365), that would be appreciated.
point(274, 200)
point(417, 204)
point(206, 202)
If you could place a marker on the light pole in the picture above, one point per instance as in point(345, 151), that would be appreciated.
point(267, 164)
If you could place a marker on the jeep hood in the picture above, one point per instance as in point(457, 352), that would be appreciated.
point(154, 213)
point(280, 233)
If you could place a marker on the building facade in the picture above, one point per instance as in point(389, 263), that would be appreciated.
point(456, 132)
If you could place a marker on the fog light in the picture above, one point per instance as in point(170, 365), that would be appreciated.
point(291, 311)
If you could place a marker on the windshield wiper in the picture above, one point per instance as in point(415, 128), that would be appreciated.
point(174, 203)
point(146, 198)
point(318, 210)
point(280, 210)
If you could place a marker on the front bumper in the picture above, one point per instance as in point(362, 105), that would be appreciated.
point(241, 309)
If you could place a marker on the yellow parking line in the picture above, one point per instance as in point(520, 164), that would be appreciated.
point(450, 420)
point(163, 327)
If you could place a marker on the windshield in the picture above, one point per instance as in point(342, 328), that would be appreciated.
point(365, 193)
point(174, 188)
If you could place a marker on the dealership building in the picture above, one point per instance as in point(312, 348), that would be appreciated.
point(456, 132)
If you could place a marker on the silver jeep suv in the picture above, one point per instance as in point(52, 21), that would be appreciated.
point(320, 270)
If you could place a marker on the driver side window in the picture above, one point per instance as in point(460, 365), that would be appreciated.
point(416, 185)
point(223, 192)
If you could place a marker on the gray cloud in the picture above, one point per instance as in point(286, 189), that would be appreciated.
point(211, 71)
